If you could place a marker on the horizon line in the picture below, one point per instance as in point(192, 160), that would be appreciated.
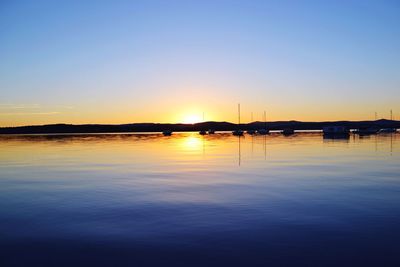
point(182, 123)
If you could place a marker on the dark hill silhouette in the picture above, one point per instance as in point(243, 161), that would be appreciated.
point(179, 127)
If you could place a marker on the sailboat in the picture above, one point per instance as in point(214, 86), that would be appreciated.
point(366, 131)
point(335, 132)
point(388, 130)
point(210, 131)
point(203, 132)
point(287, 131)
point(251, 131)
point(238, 132)
point(167, 132)
point(265, 130)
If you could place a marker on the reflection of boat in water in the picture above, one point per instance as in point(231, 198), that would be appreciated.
point(366, 131)
point(211, 131)
point(167, 132)
point(336, 132)
point(238, 132)
point(287, 131)
point(239, 154)
point(387, 130)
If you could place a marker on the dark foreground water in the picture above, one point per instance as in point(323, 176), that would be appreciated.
point(188, 200)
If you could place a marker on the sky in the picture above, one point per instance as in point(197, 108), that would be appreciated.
point(171, 61)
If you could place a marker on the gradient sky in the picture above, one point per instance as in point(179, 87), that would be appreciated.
point(170, 61)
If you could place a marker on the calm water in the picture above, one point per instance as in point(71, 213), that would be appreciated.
point(188, 200)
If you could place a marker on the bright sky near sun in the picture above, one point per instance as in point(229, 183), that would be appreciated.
point(170, 61)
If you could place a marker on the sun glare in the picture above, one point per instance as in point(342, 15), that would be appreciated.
point(191, 143)
point(191, 119)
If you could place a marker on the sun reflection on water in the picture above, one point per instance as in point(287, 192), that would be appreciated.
point(192, 142)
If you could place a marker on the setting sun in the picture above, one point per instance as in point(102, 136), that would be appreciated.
point(192, 118)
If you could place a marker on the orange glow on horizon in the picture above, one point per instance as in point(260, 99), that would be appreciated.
point(191, 118)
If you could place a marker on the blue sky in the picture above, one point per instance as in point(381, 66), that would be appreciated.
point(136, 61)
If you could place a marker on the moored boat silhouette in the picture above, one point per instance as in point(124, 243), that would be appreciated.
point(167, 132)
point(366, 131)
point(335, 132)
point(287, 131)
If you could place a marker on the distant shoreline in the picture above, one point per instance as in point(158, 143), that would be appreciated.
point(179, 127)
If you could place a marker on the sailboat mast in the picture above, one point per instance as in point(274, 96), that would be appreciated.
point(391, 115)
point(239, 114)
point(265, 120)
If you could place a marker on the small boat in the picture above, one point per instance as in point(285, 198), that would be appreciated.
point(387, 130)
point(263, 131)
point(237, 132)
point(211, 131)
point(335, 132)
point(251, 131)
point(366, 131)
point(167, 132)
point(287, 131)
